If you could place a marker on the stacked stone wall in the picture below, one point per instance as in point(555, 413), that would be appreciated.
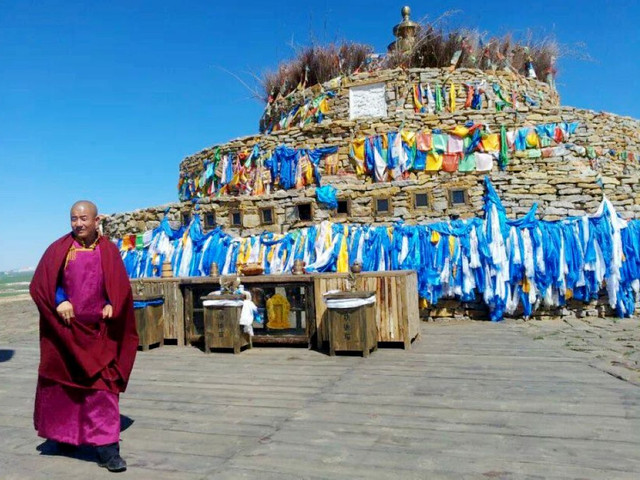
point(565, 184)
point(336, 128)
point(399, 85)
point(562, 186)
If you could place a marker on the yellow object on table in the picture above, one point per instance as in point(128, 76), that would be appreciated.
point(278, 312)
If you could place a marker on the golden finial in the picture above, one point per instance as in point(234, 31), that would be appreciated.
point(405, 32)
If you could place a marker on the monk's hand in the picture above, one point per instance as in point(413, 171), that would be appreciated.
point(107, 311)
point(65, 310)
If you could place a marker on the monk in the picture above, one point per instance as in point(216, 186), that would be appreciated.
point(88, 339)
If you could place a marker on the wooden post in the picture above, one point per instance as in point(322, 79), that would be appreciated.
point(189, 327)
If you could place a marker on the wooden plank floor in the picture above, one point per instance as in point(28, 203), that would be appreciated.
point(473, 400)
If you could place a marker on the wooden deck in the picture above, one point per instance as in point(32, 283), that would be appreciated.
point(468, 401)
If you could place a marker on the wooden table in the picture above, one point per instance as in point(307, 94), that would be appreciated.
point(297, 288)
point(397, 313)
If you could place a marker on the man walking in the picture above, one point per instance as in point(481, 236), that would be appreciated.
point(88, 339)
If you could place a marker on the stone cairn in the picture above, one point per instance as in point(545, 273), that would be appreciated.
point(601, 157)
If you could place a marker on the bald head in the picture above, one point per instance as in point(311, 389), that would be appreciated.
point(85, 221)
point(85, 205)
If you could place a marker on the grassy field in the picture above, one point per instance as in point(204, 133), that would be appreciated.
point(14, 283)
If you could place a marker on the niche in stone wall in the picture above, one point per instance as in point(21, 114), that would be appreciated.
point(382, 206)
point(209, 220)
point(421, 200)
point(343, 210)
point(458, 197)
point(344, 206)
point(185, 218)
point(305, 211)
point(235, 216)
point(267, 216)
point(368, 101)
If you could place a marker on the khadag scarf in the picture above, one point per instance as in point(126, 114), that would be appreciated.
point(508, 262)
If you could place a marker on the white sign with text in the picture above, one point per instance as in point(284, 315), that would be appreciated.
point(367, 101)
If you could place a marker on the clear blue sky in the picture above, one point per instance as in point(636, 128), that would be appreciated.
point(101, 100)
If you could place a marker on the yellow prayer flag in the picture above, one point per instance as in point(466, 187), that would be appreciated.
point(408, 137)
point(308, 174)
point(324, 106)
point(357, 147)
point(357, 155)
point(452, 97)
point(532, 139)
point(342, 265)
point(459, 131)
point(491, 142)
point(434, 162)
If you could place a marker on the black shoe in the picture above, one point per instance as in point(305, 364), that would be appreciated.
point(66, 448)
point(114, 464)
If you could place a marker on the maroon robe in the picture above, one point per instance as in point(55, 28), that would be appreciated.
point(74, 355)
point(83, 366)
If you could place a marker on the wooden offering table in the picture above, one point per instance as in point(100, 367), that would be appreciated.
point(221, 323)
point(149, 320)
point(292, 306)
point(352, 322)
point(285, 302)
